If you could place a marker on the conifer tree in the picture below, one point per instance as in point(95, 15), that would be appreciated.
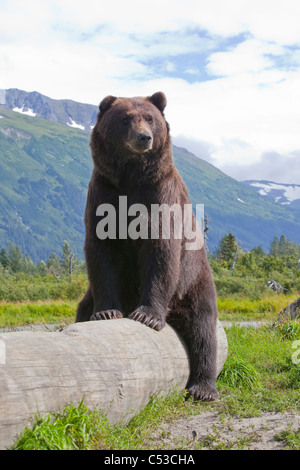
point(227, 247)
point(67, 256)
point(4, 258)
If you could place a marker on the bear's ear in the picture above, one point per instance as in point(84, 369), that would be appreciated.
point(106, 103)
point(159, 100)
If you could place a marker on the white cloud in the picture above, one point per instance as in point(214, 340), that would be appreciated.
point(265, 19)
point(272, 166)
point(250, 56)
point(127, 17)
point(170, 67)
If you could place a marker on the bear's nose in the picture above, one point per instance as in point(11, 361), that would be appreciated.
point(144, 138)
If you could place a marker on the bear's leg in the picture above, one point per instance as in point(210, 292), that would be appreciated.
point(159, 277)
point(85, 307)
point(198, 329)
point(102, 277)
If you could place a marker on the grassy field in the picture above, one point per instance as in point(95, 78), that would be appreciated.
point(243, 308)
point(259, 376)
point(62, 311)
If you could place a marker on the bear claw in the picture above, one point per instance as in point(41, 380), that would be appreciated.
point(147, 319)
point(106, 315)
point(203, 393)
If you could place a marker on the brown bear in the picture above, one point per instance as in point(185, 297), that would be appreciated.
point(152, 280)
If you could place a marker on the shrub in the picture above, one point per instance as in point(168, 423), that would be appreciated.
point(239, 373)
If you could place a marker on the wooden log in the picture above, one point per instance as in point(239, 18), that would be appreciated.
point(116, 365)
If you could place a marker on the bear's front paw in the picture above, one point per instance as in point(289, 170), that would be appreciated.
point(203, 392)
point(149, 317)
point(106, 315)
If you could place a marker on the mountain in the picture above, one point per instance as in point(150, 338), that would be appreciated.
point(73, 114)
point(44, 172)
point(45, 167)
point(235, 207)
point(286, 194)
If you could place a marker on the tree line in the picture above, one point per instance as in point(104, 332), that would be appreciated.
point(282, 248)
point(283, 257)
point(12, 261)
point(236, 271)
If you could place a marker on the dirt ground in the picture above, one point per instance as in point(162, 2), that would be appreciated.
point(211, 430)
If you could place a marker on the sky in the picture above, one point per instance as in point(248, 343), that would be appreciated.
point(230, 69)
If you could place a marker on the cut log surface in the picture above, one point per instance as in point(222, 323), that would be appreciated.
point(116, 365)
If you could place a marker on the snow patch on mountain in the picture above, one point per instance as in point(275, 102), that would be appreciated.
point(67, 112)
point(74, 124)
point(28, 112)
point(284, 194)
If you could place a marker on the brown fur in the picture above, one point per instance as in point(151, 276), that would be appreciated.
point(151, 281)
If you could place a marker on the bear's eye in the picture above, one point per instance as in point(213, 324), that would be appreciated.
point(149, 118)
point(125, 119)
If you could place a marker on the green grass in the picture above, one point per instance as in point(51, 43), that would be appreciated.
point(78, 428)
point(240, 373)
point(241, 308)
point(47, 300)
point(290, 438)
point(73, 428)
point(14, 314)
point(258, 376)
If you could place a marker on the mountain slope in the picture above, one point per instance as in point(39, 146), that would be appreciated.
point(44, 173)
point(233, 206)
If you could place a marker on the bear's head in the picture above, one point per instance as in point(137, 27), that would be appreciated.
point(131, 127)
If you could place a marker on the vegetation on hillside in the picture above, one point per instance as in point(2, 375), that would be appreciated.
point(44, 172)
